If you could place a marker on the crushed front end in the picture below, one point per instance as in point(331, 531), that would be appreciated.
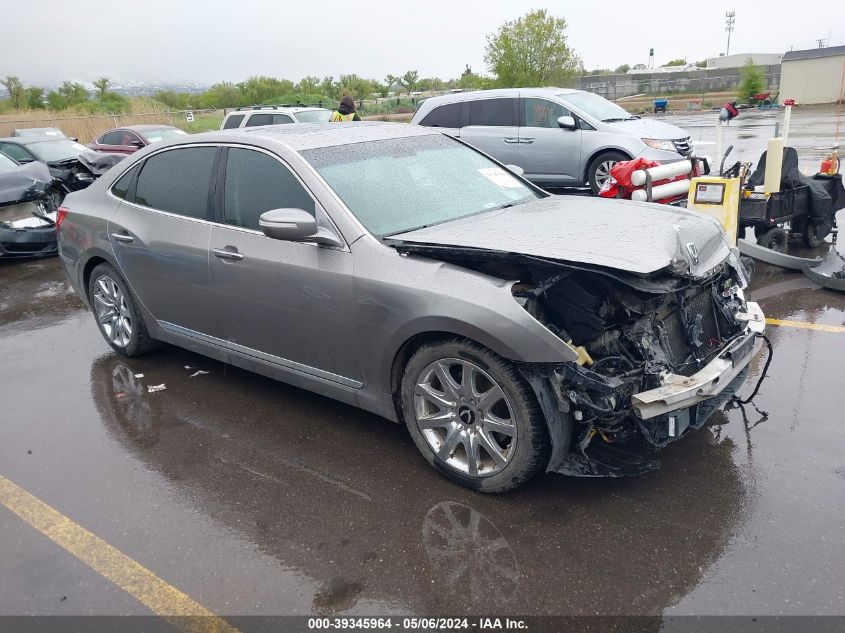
point(657, 356)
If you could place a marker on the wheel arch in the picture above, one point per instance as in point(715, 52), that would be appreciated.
point(94, 258)
point(587, 163)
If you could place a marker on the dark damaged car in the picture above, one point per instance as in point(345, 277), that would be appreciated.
point(401, 271)
point(72, 165)
point(27, 213)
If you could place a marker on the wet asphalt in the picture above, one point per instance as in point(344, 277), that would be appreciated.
point(255, 498)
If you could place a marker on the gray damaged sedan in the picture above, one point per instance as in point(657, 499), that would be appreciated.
point(401, 271)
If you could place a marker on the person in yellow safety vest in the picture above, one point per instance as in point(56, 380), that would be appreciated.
point(345, 112)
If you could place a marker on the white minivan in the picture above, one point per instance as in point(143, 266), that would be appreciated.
point(559, 137)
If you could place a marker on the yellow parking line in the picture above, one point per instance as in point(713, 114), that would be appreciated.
point(820, 327)
point(161, 598)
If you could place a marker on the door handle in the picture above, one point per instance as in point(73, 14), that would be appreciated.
point(526, 141)
point(511, 141)
point(123, 237)
point(222, 253)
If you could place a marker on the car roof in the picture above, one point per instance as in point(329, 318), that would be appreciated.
point(270, 109)
point(38, 129)
point(499, 92)
point(145, 127)
point(27, 140)
point(306, 136)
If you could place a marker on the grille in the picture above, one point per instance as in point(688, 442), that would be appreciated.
point(675, 340)
point(683, 146)
point(27, 247)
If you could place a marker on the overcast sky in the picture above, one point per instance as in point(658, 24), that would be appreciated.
point(47, 41)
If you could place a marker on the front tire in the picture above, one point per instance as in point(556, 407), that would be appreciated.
point(117, 313)
point(599, 170)
point(473, 417)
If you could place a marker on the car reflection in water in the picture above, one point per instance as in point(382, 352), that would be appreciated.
point(333, 493)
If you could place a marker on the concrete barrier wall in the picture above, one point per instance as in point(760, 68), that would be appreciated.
point(664, 83)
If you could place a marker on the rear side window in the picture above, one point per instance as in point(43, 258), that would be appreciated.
point(121, 187)
point(259, 119)
point(177, 181)
point(493, 112)
point(233, 121)
point(255, 183)
point(281, 118)
point(448, 115)
point(17, 152)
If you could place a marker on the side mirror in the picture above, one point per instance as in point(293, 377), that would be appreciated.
point(566, 122)
point(73, 138)
point(137, 144)
point(292, 225)
point(296, 225)
point(519, 171)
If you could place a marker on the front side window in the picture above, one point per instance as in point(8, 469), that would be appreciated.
point(233, 121)
point(542, 113)
point(17, 152)
point(397, 185)
point(177, 181)
point(493, 112)
point(255, 183)
point(163, 134)
point(259, 119)
point(115, 137)
point(597, 106)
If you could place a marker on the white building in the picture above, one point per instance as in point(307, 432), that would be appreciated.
point(812, 76)
point(738, 60)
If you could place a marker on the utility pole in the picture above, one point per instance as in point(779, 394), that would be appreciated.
point(821, 42)
point(730, 18)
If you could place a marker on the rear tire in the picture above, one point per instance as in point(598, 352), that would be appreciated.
point(116, 311)
point(774, 239)
point(811, 236)
point(473, 417)
point(599, 169)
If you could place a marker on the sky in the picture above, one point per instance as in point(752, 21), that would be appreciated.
point(206, 41)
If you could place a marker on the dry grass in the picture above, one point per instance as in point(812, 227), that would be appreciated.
point(85, 126)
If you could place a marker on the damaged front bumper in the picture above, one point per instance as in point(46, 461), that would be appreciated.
point(682, 392)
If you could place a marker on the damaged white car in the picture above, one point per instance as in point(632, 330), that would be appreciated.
point(403, 272)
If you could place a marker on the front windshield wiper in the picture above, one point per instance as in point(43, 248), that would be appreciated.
point(615, 119)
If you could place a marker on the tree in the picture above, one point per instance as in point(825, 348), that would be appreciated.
point(35, 98)
point(676, 62)
point(531, 51)
point(73, 92)
point(56, 101)
point(14, 87)
point(752, 81)
point(102, 86)
point(409, 80)
point(624, 68)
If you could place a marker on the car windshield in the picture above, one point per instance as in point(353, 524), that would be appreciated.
point(54, 151)
point(313, 116)
point(164, 134)
point(398, 185)
point(6, 163)
point(596, 106)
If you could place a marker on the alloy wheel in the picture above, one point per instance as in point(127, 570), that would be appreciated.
point(112, 311)
point(602, 174)
point(465, 417)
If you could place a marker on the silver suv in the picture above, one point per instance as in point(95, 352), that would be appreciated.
point(559, 137)
point(254, 116)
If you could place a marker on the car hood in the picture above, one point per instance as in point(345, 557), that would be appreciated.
point(636, 237)
point(649, 128)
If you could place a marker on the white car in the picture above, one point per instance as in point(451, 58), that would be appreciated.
point(253, 116)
